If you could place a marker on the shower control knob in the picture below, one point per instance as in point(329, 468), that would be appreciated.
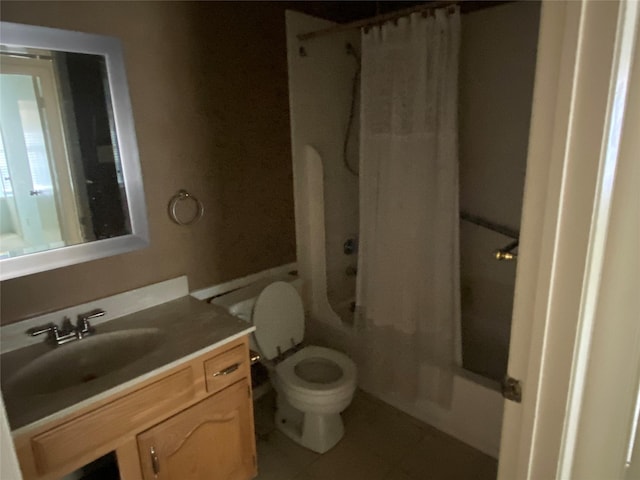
point(350, 246)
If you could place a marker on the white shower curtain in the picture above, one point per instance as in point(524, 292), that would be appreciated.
point(408, 298)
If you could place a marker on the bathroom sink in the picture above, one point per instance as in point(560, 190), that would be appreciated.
point(83, 361)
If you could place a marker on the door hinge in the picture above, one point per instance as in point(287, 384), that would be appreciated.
point(512, 389)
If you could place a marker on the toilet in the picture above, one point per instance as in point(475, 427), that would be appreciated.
point(313, 384)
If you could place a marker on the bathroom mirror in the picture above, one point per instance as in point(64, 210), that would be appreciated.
point(70, 180)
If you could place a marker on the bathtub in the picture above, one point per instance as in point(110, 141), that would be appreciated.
point(475, 417)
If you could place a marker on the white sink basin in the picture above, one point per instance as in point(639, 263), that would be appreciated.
point(82, 361)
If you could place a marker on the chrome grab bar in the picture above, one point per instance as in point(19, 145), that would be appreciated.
point(505, 253)
point(481, 222)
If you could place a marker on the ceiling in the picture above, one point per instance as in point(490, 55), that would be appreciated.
point(349, 11)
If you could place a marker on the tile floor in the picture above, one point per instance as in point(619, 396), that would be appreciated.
point(381, 443)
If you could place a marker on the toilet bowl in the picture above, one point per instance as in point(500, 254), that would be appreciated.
point(313, 384)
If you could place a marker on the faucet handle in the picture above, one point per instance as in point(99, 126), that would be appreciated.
point(98, 312)
point(83, 325)
point(50, 328)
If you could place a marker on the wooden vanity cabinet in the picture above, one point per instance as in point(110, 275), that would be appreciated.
point(209, 441)
point(192, 422)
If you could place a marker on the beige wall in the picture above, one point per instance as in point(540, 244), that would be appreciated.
point(497, 65)
point(208, 84)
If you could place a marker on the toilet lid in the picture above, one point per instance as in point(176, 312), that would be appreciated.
point(278, 316)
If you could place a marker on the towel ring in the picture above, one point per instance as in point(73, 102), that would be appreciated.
point(178, 197)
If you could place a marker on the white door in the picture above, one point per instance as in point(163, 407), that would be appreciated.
point(29, 173)
point(573, 348)
point(37, 181)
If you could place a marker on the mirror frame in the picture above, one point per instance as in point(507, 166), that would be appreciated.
point(29, 36)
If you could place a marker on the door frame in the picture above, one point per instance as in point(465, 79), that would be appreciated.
point(583, 58)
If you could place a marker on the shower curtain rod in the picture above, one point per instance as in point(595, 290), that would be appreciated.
point(378, 19)
point(387, 17)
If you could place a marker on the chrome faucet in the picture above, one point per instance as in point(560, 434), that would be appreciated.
point(67, 332)
point(51, 329)
point(83, 327)
point(56, 335)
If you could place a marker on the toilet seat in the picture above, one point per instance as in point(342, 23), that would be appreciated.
point(278, 316)
point(290, 378)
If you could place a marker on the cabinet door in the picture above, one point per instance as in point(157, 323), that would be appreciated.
point(213, 440)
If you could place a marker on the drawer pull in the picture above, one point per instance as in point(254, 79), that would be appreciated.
point(228, 370)
point(254, 357)
point(154, 462)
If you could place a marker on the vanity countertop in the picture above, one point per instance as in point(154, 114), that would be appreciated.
point(186, 327)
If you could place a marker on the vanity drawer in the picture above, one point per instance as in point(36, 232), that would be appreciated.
point(227, 368)
point(85, 434)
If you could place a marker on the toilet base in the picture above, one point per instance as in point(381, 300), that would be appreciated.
point(317, 432)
